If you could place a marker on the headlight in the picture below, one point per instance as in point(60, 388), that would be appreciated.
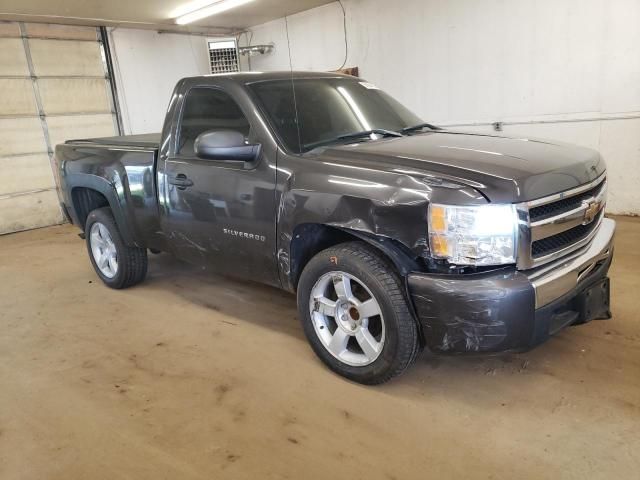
point(482, 235)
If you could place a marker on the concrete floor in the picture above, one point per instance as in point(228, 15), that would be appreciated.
point(194, 376)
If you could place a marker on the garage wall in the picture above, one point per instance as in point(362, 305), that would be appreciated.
point(148, 64)
point(566, 70)
point(53, 87)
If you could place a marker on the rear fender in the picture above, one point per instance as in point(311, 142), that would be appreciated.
point(104, 187)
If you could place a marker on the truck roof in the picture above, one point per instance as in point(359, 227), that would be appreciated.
point(251, 77)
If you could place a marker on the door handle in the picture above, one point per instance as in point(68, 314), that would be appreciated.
point(181, 181)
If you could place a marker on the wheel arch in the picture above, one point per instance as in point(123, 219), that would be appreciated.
point(85, 200)
point(308, 239)
point(89, 192)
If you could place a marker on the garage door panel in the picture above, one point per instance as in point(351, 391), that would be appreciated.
point(9, 30)
point(62, 57)
point(57, 70)
point(48, 30)
point(13, 61)
point(73, 95)
point(77, 127)
point(16, 97)
point(28, 173)
point(33, 210)
point(21, 135)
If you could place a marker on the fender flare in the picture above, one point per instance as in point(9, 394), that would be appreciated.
point(399, 255)
point(104, 187)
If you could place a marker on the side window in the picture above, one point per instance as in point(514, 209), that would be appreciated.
point(208, 109)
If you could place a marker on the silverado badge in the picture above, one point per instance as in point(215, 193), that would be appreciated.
point(250, 236)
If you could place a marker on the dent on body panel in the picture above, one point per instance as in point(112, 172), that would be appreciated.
point(382, 203)
point(386, 204)
point(375, 203)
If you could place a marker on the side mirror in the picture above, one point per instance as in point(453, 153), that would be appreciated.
point(225, 145)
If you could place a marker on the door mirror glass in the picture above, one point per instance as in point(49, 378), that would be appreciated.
point(225, 145)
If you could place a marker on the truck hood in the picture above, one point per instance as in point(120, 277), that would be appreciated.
point(504, 169)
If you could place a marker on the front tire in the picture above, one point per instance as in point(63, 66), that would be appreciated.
point(355, 314)
point(117, 265)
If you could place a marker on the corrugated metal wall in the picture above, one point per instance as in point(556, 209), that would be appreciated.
point(54, 87)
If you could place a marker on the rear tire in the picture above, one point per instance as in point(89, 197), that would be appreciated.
point(382, 338)
point(117, 265)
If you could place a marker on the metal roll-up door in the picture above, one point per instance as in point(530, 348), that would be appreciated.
point(54, 86)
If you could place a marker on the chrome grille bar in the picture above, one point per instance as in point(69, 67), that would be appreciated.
point(571, 221)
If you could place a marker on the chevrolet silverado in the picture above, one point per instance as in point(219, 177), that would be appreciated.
point(394, 234)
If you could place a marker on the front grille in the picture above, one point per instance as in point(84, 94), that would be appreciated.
point(555, 243)
point(553, 225)
point(562, 206)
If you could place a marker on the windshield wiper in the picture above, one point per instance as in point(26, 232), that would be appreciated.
point(420, 126)
point(353, 136)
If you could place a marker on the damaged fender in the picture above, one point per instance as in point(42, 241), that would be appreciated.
point(388, 209)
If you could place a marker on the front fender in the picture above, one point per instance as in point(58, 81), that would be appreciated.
point(399, 255)
point(371, 204)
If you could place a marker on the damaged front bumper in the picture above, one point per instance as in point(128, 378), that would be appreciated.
point(508, 309)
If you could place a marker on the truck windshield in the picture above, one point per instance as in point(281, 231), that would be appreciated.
point(329, 110)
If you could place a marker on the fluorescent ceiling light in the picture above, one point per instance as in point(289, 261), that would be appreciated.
point(200, 9)
point(191, 7)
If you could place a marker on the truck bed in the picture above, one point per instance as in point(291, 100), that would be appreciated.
point(122, 170)
point(145, 140)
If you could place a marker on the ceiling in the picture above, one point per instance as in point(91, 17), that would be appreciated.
point(149, 14)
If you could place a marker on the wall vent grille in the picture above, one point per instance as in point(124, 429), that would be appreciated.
point(223, 56)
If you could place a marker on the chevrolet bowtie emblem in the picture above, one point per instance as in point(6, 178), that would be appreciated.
point(592, 209)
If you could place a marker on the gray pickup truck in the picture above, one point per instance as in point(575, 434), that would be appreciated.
point(394, 234)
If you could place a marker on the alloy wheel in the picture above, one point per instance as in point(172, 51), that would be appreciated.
point(347, 318)
point(103, 250)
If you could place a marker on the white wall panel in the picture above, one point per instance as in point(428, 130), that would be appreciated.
point(620, 145)
point(79, 126)
point(73, 95)
point(27, 173)
point(21, 135)
point(33, 210)
point(16, 97)
point(278, 59)
point(621, 61)
point(469, 62)
point(12, 57)
point(148, 66)
point(64, 57)
point(305, 60)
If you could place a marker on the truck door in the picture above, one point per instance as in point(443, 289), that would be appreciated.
point(216, 213)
